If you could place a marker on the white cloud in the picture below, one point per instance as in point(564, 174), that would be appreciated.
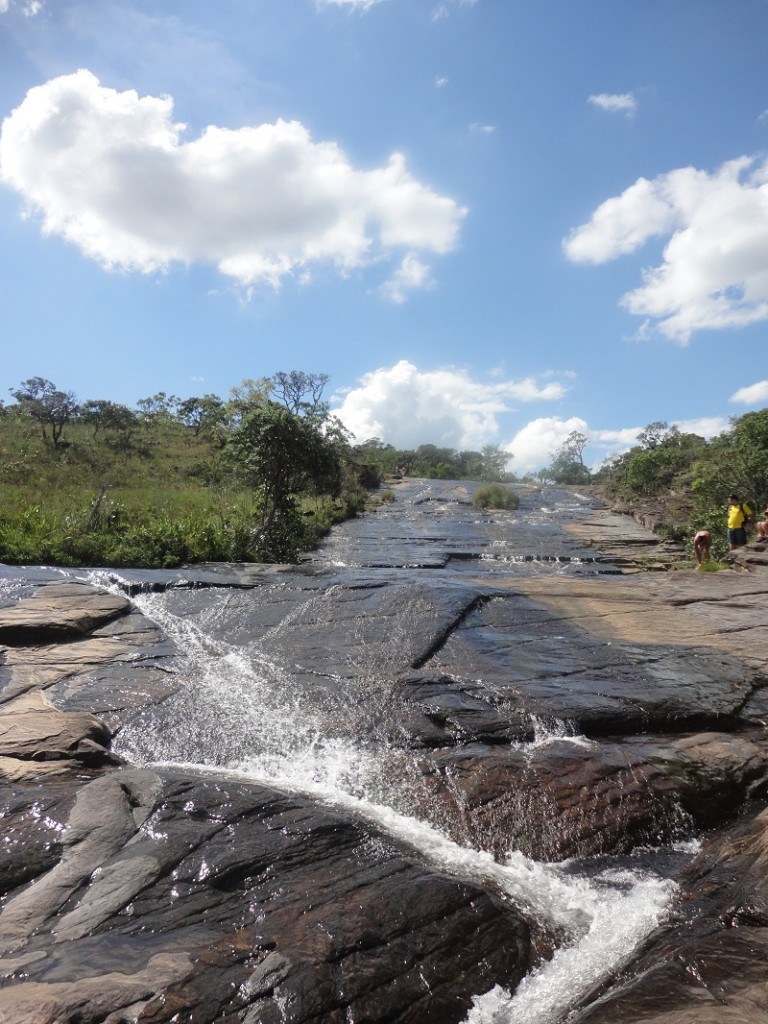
point(754, 394)
point(412, 274)
point(440, 82)
point(704, 426)
point(406, 407)
point(110, 172)
point(621, 103)
point(29, 7)
point(714, 271)
point(484, 129)
point(533, 445)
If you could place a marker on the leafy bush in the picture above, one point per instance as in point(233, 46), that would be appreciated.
point(495, 496)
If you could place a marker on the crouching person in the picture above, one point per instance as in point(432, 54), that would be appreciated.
point(702, 546)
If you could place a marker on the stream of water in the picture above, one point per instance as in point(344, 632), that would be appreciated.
point(240, 714)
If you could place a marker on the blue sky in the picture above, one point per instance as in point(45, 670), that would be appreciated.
point(488, 221)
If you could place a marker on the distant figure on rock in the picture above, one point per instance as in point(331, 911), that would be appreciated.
point(738, 514)
point(762, 526)
point(702, 546)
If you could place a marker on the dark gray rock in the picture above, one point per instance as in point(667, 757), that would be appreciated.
point(567, 713)
point(708, 964)
point(215, 899)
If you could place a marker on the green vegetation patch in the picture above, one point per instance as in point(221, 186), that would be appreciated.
point(495, 496)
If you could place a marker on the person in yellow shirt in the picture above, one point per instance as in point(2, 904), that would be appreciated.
point(738, 513)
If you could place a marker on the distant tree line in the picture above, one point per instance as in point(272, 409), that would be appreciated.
point(258, 476)
point(429, 460)
point(262, 474)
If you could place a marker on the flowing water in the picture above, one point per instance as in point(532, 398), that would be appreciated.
point(240, 713)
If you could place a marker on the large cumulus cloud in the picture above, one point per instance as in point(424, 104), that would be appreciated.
point(113, 174)
point(714, 268)
point(405, 406)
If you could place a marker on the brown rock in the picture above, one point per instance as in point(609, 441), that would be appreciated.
point(31, 728)
point(59, 610)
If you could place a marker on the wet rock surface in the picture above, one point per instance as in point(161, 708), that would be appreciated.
point(538, 692)
point(173, 896)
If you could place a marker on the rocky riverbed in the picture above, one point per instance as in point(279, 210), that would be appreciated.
point(147, 877)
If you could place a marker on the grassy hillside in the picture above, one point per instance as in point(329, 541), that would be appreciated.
point(157, 496)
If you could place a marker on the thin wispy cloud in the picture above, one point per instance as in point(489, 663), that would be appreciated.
point(714, 267)
point(444, 10)
point(112, 173)
point(412, 275)
point(361, 5)
point(615, 103)
point(29, 8)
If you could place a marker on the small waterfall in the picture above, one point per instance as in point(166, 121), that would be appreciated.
point(239, 713)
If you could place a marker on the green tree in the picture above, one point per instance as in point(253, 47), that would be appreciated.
point(158, 407)
point(567, 466)
point(734, 462)
point(110, 416)
point(494, 463)
point(246, 397)
point(380, 459)
point(279, 455)
point(39, 399)
point(302, 393)
point(653, 435)
point(202, 415)
point(440, 463)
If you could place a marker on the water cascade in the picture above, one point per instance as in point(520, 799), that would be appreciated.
point(331, 738)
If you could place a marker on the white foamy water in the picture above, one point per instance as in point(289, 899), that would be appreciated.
point(240, 714)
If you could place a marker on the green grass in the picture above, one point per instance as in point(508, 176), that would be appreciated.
point(166, 499)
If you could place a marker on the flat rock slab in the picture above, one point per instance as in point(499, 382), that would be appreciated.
point(60, 611)
point(697, 612)
point(108, 660)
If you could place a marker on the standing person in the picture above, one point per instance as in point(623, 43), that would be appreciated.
point(738, 514)
point(702, 546)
